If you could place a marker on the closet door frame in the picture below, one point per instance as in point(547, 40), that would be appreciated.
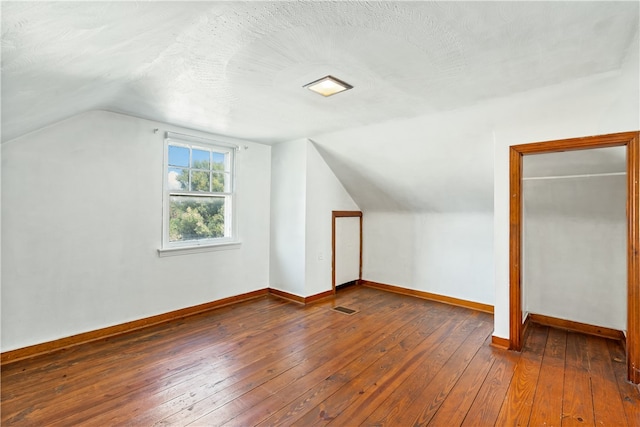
point(630, 140)
point(342, 214)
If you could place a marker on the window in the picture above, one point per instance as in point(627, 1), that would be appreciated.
point(199, 192)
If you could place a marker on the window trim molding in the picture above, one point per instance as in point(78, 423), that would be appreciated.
point(168, 248)
point(196, 249)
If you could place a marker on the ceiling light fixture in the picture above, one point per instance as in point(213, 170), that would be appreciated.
point(328, 86)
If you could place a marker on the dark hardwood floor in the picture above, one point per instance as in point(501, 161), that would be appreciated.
point(399, 361)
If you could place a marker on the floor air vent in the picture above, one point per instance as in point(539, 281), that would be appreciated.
point(344, 310)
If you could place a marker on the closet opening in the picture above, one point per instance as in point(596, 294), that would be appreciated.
point(629, 143)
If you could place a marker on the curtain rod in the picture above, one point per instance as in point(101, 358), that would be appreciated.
point(202, 139)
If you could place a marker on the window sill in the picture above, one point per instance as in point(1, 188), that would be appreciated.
point(185, 250)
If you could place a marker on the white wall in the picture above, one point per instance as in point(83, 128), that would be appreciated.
point(457, 162)
point(598, 105)
point(304, 191)
point(425, 187)
point(288, 211)
point(82, 222)
point(1, 222)
point(447, 254)
point(575, 249)
point(77, 268)
point(324, 195)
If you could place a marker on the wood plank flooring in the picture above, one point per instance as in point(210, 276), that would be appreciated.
point(399, 361)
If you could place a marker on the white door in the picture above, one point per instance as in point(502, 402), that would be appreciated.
point(347, 246)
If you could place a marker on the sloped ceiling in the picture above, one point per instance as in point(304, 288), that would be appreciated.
point(237, 68)
point(415, 165)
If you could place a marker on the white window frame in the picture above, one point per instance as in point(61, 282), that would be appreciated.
point(231, 232)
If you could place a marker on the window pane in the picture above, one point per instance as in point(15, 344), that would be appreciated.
point(178, 179)
point(178, 156)
point(200, 159)
point(218, 182)
point(199, 181)
point(219, 160)
point(196, 218)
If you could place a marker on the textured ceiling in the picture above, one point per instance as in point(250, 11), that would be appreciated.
point(237, 68)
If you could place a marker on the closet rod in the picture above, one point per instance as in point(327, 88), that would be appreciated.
point(535, 178)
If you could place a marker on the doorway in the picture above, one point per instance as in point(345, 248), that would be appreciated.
point(630, 140)
point(346, 247)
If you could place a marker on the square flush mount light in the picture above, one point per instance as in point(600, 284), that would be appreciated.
point(328, 86)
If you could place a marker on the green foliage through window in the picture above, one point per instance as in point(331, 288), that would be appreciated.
point(198, 184)
point(194, 218)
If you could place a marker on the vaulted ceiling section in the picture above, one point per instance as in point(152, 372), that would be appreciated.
point(238, 68)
